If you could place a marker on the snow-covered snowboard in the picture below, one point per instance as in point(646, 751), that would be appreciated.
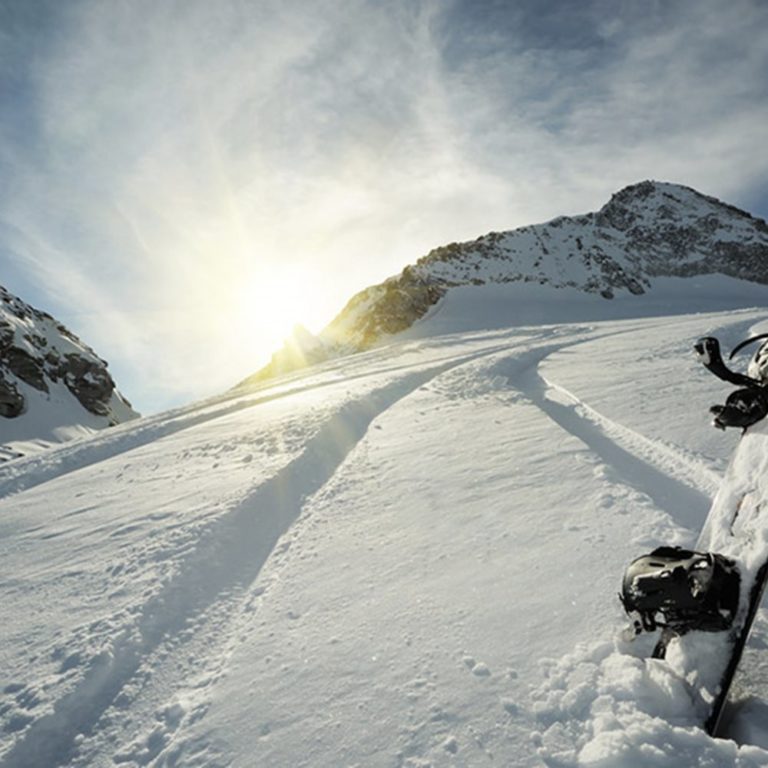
point(736, 528)
point(706, 600)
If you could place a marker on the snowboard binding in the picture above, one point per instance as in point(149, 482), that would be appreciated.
point(745, 406)
point(681, 590)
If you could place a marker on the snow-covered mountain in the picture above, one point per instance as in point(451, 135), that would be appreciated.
point(646, 234)
point(52, 386)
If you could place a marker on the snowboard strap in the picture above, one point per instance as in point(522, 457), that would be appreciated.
point(747, 342)
point(708, 350)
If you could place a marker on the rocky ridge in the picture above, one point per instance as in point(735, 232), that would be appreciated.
point(645, 231)
point(42, 362)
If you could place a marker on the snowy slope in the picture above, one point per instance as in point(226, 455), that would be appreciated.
point(406, 557)
point(53, 387)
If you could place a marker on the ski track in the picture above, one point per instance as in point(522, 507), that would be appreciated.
point(20, 473)
point(27, 472)
point(677, 485)
point(695, 474)
point(214, 577)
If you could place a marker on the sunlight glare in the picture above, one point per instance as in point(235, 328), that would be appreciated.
point(277, 298)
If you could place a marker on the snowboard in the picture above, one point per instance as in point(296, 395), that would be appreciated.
point(736, 528)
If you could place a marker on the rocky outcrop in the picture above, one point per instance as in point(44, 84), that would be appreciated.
point(38, 354)
point(11, 401)
point(388, 308)
point(675, 231)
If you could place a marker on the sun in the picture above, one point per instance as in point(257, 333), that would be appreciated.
point(277, 298)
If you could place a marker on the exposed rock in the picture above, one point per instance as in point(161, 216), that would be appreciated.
point(25, 367)
point(89, 382)
point(6, 336)
point(11, 401)
point(398, 303)
point(37, 355)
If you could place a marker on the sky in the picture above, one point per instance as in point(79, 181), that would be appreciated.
point(183, 182)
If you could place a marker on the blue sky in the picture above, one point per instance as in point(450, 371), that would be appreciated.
point(182, 181)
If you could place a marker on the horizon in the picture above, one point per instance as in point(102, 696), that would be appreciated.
point(183, 186)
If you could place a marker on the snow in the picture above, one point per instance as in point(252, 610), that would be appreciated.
point(499, 306)
point(405, 557)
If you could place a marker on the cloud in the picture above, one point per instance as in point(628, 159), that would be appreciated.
point(165, 155)
point(673, 91)
point(185, 148)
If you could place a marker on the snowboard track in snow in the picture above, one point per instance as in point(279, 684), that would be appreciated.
point(695, 474)
point(27, 472)
point(675, 484)
point(227, 560)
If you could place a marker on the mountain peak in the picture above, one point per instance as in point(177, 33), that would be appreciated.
point(646, 232)
point(666, 200)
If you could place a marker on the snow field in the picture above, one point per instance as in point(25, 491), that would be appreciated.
point(406, 558)
point(216, 457)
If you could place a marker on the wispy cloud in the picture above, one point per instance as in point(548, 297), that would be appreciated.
point(163, 155)
point(621, 92)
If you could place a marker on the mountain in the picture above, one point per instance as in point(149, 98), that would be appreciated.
point(645, 235)
point(52, 386)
